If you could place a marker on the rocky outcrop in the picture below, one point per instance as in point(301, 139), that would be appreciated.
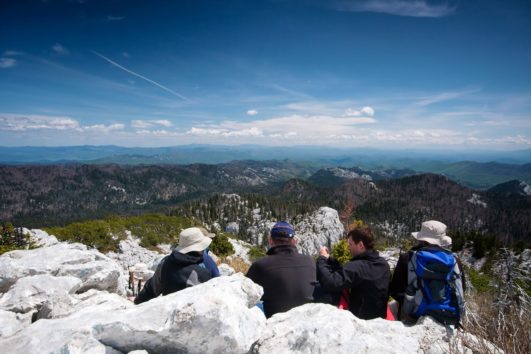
point(95, 270)
point(320, 328)
point(46, 305)
point(217, 316)
point(322, 228)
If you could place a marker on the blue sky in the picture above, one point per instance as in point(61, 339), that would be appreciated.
point(348, 73)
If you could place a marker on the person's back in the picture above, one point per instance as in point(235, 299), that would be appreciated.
point(365, 277)
point(288, 278)
point(429, 271)
point(181, 269)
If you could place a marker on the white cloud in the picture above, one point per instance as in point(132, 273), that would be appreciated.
point(410, 8)
point(7, 63)
point(253, 131)
point(18, 123)
point(60, 49)
point(14, 122)
point(141, 124)
point(163, 122)
point(101, 128)
point(365, 111)
point(252, 112)
point(302, 127)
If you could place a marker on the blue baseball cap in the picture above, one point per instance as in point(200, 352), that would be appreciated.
point(282, 229)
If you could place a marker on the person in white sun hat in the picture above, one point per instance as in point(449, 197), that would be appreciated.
point(429, 267)
point(182, 268)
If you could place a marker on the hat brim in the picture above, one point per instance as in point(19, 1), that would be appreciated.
point(196, 247)
point(428, 238)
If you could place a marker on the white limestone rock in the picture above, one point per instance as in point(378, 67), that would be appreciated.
point(241, 250)
point(11, 322)
point(216, 316)
point(92, 267)
point(322, 228)
point(391, 256)
point(131, 253)
point(55, 308)
point(41, 238)
point(320, 328)
point(225, 269)
point(30, 293)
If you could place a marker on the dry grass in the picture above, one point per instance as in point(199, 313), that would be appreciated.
point(505, 324)
point(237, 264)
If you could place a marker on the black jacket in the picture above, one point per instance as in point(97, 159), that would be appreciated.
point(397, 288)
point(175, 272)
point(366, 275)
point(288, 279)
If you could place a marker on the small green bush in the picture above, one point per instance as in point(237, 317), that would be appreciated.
point(256, 252)
point(341, 252)
point(221, 246)
point(105, 235)
point(480, 281)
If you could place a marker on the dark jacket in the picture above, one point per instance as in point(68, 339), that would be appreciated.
point(366, 275)
point(397, 288)
point(288, 278)
point(175, 272)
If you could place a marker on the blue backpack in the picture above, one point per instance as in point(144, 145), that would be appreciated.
point(435, 286)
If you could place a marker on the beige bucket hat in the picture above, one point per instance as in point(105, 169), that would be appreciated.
point(433, 232)
point(192, 239)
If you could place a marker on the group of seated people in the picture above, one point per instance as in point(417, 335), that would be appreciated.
point(427, 279)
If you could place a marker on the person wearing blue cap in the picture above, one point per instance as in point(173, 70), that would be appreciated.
point(288, 277)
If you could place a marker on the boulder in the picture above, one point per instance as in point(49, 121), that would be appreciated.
point(316, 328)
point(216, 316)
point(30, 293)
point(322, 228)
point(11, 322)
point(130, 253)
point(41, 238)
point(92, 267)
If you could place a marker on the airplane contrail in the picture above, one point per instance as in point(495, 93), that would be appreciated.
point(140, 76)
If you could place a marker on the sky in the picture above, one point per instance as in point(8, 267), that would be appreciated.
point(393, 74)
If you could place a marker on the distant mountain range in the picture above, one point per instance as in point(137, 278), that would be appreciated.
point(475, 169)
point(392, 200)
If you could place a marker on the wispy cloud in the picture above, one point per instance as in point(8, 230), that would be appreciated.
point(60, 49)
point(446, 96)
point(7, 63)
point(141, 124)
point(18, 122)
point(114, 18)
point(158, 133)
point(410, 8)
point(253, 131)
point(12, 53)
point(252, 112)
point(141, 76)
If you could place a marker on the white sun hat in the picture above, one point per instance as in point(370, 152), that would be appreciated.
point(192, 239)
point(432, 232)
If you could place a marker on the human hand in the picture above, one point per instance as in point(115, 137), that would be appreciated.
point(323, 251)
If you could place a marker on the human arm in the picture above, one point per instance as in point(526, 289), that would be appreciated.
point(397, 287)
point(333, 277)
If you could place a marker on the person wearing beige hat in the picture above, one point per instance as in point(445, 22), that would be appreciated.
point(435, 243)
point(182, 268)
